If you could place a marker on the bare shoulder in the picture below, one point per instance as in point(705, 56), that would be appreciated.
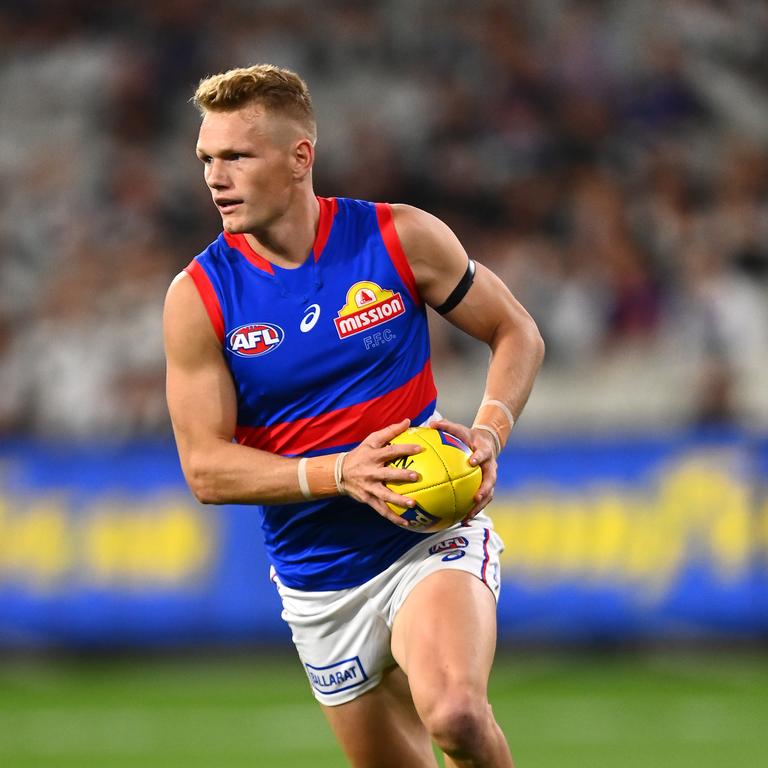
point(182, 301)
point(181, 285)
point(437, 258)
point(421, 233)
point(186, 324)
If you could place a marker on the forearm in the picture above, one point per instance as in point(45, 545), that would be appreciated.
point(222, 472)
point(516, 356)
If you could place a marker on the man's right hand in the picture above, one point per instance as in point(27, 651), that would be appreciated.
point(366, 471)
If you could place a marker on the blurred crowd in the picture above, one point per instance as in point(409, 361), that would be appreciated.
point(608, 159)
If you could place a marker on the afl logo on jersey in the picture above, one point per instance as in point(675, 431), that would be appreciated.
point(367, 306)
point(255, 339)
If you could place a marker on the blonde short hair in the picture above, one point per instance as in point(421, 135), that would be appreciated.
point(278, 90)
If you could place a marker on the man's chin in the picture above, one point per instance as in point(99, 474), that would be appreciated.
point(232, 227)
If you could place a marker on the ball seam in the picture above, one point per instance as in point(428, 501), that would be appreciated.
point(450, 479)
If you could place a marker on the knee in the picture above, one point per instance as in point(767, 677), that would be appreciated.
point(460, 724)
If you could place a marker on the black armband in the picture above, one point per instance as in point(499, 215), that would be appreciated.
point(460, 291)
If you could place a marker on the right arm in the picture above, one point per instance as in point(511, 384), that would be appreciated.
point(203, 407)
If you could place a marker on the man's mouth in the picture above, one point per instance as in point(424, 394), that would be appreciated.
point(227, 204)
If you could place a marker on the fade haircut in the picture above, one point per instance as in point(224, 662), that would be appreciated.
point(279, 90)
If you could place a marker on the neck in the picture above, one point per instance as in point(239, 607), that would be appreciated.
point(288, 241)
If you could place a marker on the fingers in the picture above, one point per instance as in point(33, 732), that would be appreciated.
point(397, 499)
point(483, 455)
point(484, 495)
point(380, 438)
point(376, 463)
point(390, 464)
point(459, 430)
point(387, 513)
point(379, 464)
point(398, 453)
point(478, 440)
point(393, 465)
point(485, 491)
point(387, 494)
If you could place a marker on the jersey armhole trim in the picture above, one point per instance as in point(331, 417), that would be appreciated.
point(208, 295)
point(395, 250)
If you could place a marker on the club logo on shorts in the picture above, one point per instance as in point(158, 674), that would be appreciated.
point(255, 339)
point(367, 306)
point(337, 677)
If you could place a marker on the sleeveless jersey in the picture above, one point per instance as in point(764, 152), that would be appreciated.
point(321, 356)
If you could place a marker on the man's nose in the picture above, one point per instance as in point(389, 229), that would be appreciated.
point(216, 176)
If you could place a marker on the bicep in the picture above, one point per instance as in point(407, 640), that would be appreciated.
point(488, 308)
point(436, 257)
point(487, 311)
point(201, 395)
point(438, 261)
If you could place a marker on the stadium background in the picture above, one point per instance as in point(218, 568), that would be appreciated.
point(608, 159)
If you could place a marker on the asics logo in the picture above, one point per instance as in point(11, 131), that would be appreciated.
point(311, 316)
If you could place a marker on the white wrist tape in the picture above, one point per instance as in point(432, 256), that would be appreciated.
point(303, 482)
point(504, 407)
point(338, 471)
point(493, 433)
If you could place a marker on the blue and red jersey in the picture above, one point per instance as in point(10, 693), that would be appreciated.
point(321, 356)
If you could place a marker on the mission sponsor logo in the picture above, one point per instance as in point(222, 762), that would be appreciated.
point(337, 677)
point(367, 306)
point(255, 339)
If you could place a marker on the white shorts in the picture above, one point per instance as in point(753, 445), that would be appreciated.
point(343, 636)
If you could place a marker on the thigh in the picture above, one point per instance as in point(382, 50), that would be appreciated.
point(381, 729)
point(444, 636)
point(444, 620)
point(342, 639)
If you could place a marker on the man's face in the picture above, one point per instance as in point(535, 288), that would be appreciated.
point(247, 155)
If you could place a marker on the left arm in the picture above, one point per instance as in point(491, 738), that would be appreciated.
point(488, 312)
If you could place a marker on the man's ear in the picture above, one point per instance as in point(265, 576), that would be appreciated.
point(303, 158)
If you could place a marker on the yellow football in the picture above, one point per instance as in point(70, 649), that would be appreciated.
point(448, 482)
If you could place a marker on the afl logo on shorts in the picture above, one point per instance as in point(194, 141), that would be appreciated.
point(255, 339)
